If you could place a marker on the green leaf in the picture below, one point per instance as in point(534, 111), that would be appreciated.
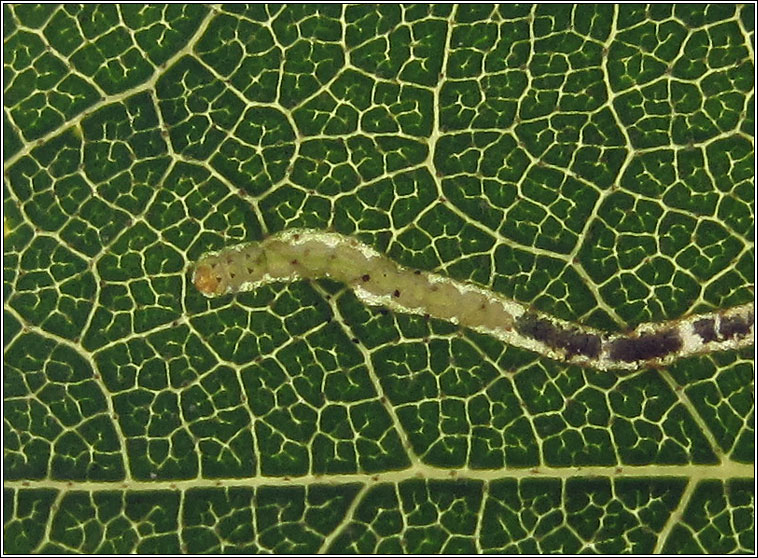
point(593, 162)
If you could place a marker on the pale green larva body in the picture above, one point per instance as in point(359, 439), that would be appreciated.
point(378, 280)
point(305, 254)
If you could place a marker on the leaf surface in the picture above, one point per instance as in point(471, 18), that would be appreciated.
point(595, 162)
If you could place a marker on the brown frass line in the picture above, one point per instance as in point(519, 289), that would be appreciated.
point(574, 342)
point(647, 346)
point(730, 327)
point(644, 347)
point(570, 340)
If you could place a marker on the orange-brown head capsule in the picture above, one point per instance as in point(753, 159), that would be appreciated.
point(207, 280)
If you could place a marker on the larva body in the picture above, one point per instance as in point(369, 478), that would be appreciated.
point(301, 255)
point(377, 280)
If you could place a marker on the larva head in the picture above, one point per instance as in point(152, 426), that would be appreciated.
point(231, 270)
point(209, 278)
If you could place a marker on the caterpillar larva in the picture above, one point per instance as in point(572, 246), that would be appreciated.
point(377, 280)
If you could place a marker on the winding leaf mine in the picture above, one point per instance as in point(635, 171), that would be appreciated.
point(379, 281)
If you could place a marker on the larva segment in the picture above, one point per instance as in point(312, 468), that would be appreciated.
point(312, 257)
point(348, 265)
point(245, 267)
point(443, 303)
point(474, 307)
point(380, 277)
point(281, 262)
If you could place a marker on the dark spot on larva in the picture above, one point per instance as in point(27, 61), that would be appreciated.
point(355, 340)
point(396, 294)
point(417, 272)
point(294, 262)
point(645, 347)
point(296, 236)
point(232, 275)
point(735, 325)
point(706, 329)
point(366, 277)
point(426, 316)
